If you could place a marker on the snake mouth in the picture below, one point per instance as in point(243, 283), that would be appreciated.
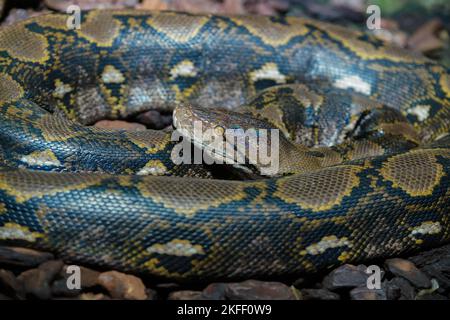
point(198, 126)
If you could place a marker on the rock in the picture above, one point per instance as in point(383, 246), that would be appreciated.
point(364, 293)
point(16, 14)
point(122, 286)
point(436, 264)
point(170, 286)
point(407, 269)
point(165, 288)
point(346, 276)
point(432, 296)
point(433, 256)
point(154, 119)
point(318, 294)
point(93, 296)
point(4, 297)
point(89, 277)
point(185, 295)
point(441, 272)
point(61, 5)
point(425, 38)
point(197, 6)
point(37, 281)
point(22, 257)
point(311, 281)
point(151, 294)
point(258, 290)
point(59, 288)
point(9, 285)
point(393, 292)
point(392, 286)
point(390, 32)
point(328, 12)
point(153, 5)
point(266, 7)
point(214, 291)
point(120, 125)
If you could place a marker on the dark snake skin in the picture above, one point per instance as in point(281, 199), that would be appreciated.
point(85, 193)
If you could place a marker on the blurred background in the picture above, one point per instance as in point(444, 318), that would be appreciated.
point(419, 25)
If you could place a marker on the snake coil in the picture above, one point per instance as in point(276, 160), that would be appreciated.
point(86, 193)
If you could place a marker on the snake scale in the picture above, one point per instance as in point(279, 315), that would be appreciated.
point(103, 197)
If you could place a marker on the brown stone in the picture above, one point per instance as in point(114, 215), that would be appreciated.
point(185, 295)
point(436, 264)
point(23, 257)
point(16, 14)
point(120, 125)
point(10, 285)
point(407, 269)
point(37, 281)
point(93, 296)
point(4, 297)
point(59, 288)
point(406, 290)
point(61, 5)
point(122, 286)
point(318, 294)
point(151, 294)
point(258, 290)
point(346, 276)
point(364, 293)
point(214, 291)
point(153, 5)
point(154, 119)
point(89, 277)
point(425, 38)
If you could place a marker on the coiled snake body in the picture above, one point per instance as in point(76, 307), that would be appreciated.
point(86, 193)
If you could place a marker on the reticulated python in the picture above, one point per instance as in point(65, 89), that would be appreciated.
point(87, 193)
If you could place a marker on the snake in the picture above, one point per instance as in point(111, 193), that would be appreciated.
point(363, 129)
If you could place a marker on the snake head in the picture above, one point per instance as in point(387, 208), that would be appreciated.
point(238, 139)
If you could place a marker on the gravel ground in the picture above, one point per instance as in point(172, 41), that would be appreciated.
point(30, 274)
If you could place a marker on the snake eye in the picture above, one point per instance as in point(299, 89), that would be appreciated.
point(218, 130)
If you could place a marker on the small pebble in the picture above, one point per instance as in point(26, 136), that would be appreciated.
point(16, 14)
point(93, 296)
point(151, 294)
point(364, 293)
point(319, 294)
point(214, 291)
point(346, 276)
point(154, 119)
point(436, 264)
point(37, 281)
point(407, 269)
point(9, 284)
point(258, 290)
point(88, 279)
point(407, 291)
point(185, 295)
point(393, 291)
point(4, 297)
point(122, 286)
point(61, 5)
point(120, 125)
point(432, 296)
point(23, 257)
point(59, 288)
